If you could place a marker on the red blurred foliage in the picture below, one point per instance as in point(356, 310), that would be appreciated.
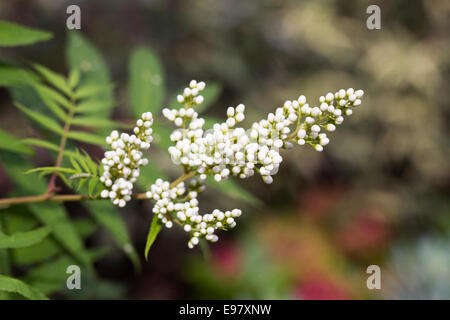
point(227, 258)
point(368, 230)
point(321, 288)
point(316, 202)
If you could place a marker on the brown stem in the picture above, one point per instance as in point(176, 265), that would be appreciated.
point(62, 146)
point(76, 197)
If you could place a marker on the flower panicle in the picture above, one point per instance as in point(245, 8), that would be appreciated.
point(221, 151)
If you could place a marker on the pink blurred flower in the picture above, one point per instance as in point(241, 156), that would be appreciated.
point(227, 258)
point(321, 288)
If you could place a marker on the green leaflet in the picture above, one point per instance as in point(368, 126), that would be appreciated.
point(108, 216)
point(91, 89)
point(10, 143)
point(93, 106)
point(55, 79)
point(47, 93)
point(14, 76)
point(155, 227)
point(48, 170)
point(86, 137)
point(12, 34)
point(44, 144)
point(54, 107)
point(97, 122)
point(24, 239)
point(84, 169)
point(146, 82)
point(13, 285)
point(74, 78)
point(20, 219)
point(45, 121)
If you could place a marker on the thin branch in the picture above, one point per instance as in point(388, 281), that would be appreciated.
point(62, 147)
point(76, 197)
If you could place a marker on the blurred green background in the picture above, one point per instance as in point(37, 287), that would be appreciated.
point(378, 194)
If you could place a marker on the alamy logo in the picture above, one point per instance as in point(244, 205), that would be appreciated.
point(374, 281)
point(74, 20)
point(74, 280)
point(374, 20)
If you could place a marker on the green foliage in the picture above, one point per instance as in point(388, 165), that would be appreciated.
point(12, 34)
point(15, 76)
point(23, 239)
point(95, 81)
point(155, 227)
point(13, 285)
point(108, 216)
point(232, 189)
point(146, 82)
point(10, 143)
point(44, 121)
point(56, 217)
point(57, 80)
point(84, 169)
point(87, 137)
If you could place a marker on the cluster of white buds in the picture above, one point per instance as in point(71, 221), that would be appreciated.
point(226, 150)
point(327, 116)
point(170, 208)
point(191, 95)
point(121, 164)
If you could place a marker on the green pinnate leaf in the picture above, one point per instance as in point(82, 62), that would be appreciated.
point(40, 143)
